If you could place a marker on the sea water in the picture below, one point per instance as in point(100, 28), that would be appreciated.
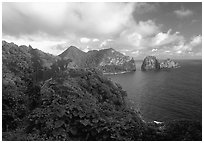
point(167, 94)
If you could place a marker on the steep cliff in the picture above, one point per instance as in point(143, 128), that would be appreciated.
point(150, 63)
point(111, 61)
point(106, 60)
point(168, 63)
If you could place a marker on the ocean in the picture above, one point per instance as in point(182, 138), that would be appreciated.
point(165, 95)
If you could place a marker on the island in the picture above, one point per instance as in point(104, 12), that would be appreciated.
point(151, 63)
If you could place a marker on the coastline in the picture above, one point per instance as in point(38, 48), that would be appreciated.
point(116, 73)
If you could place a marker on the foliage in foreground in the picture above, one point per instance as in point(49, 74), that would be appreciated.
point(84, 105)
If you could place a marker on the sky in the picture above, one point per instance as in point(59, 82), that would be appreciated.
point(165, 30)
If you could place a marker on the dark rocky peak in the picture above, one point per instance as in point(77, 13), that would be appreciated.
point(30, 47)
point(72, 49)
point(150, 63)
point(71, 52)
point(75, 54)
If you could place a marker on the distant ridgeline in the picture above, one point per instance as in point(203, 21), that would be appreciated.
point(48, 99)
point(106, 60)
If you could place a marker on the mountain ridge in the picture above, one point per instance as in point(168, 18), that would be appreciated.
point(107, 60)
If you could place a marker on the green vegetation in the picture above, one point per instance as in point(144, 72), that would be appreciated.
point(72, 104)
point(105, 60)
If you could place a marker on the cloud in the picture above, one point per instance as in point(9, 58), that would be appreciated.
point(182, 13)
point(154, 50)
point(106, 43)
point(136, 52)
point(142, 7)
point(95, 40)
point(166, 38)
point(54, 47)
point(53, 27)
point(143, 28)
point(85, 40)
point(196, 40)
point(86, 19)
point(193, 46)
point(139, 35)
point(86, 49)
point(152, 42)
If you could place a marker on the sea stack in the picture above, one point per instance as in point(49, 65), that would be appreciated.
point(150, 63)
point(168, 63)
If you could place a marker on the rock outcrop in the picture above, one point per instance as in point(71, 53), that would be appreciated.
point(111, 61)
point(150, 63)
point(168, 63)
point(105, 60)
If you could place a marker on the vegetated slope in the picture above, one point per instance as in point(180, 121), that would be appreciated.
point(75, 54)
point(110, 61)
point(106, 60)
point(73, 104)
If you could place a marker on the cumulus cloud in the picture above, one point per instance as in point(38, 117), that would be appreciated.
point(182, 13)
point(86, 49)
point(166, 38)
point(193, 46)
point(154, 50)
point(106, 43)
point(139, 35)
point(95, 40)
point(65, 21)
point(64, 18)
point(136, 52)
point(52, 27)
point(54, 47)
point(143, 28)
point(84, 40)
point(196, 40)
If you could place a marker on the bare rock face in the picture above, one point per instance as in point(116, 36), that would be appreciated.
point(115, 62)
point(167, 64)
point(150, 63)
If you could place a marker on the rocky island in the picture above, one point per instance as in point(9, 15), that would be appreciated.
point(152, 63)
point(168, 63)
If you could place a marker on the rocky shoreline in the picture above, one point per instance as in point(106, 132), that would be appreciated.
point(116, 73)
